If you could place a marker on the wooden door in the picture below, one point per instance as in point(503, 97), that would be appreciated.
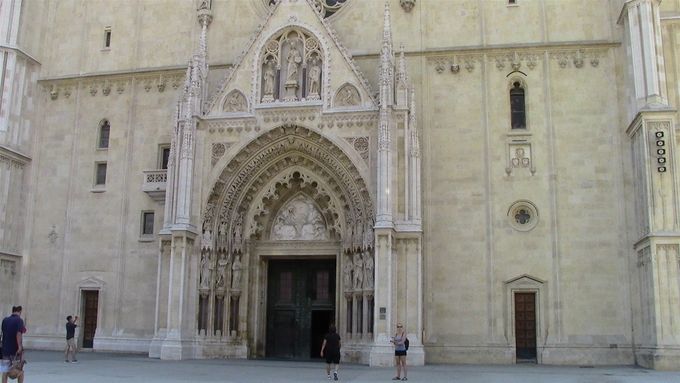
point(89, 320)
point(525, 325)
point(297, 292)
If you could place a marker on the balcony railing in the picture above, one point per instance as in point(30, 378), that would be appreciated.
point(154, 184)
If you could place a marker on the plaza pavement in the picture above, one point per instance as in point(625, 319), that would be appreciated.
point(49, 367)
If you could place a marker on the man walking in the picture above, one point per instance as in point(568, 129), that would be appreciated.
point(71, 347)
point(12, 341)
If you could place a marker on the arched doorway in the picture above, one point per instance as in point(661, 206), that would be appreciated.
point(287, 243)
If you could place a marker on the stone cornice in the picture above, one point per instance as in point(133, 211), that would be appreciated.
point(20, 52)
point(13, 154)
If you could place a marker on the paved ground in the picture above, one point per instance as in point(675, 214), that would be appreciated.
point(49, 367)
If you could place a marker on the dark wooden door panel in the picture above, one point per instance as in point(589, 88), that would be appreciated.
point(525, 325)
point(295, 290)
point(90, 309)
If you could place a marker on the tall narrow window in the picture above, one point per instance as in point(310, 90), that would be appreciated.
point(147, 222)
point(107, 37)
point(163, 156)
point(100, 174)
point(518, 118)
point(104, 132)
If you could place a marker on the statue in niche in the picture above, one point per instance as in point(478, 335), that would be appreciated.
point(235, 103)
point(294, 60)
point(221, 275)
point(347, 274)
point(238, 230)
point(358, 271)
point(222, 234)
point(236, 273)
point(205, 270)
point(206, 240)
point(269, 80)
point(368, 270)
point(314, 79)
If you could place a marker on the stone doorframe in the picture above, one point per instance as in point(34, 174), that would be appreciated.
point(261, 253)
point(526, 284)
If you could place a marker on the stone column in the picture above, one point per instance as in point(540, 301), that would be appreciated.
point(382, 352)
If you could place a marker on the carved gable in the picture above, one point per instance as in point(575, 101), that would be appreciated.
point(294, 59)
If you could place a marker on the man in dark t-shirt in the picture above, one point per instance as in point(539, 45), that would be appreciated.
point(331, 349)
point(71, 347)
point(12, 341)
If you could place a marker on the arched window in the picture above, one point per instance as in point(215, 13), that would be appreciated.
point(104, 131)
point(518, 116)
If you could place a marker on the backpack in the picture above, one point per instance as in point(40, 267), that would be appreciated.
point(406, 344)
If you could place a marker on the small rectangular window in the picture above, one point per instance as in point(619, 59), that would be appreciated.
point(512, 2)
point(104, 132)
point(100, 176)
point(147, 222)
point(163, 156)
point(107, 37)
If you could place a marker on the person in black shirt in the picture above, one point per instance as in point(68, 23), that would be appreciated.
point(12, 341)
point(71, 347)
point(331, 349)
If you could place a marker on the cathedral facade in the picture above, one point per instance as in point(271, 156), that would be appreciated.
point(227, 178)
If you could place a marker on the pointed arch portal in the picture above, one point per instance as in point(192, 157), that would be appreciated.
point(289, 200)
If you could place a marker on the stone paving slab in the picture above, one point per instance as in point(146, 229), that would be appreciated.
point(49, 367)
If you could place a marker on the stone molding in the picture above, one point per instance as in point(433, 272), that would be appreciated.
point(106, 85)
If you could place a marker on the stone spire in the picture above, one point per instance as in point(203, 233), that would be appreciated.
point(402, 80)
point(413, 126)
point(386, 76)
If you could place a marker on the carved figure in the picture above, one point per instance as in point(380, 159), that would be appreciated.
point(205, 270)
point(347, 274)
point(358, 271)
point(347, 97)
point(221, 275)
point(205, 4)
point(222, 235)
point(294, 59)
point(314, 79)
point(268, 80)
point(238, 230)
point(368, 270)
point(236, 273)
point(235, 103)
point(299, 220)
point(520, 160)
point(206, 241)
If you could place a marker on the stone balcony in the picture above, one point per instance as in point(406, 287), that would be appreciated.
point(154, 184)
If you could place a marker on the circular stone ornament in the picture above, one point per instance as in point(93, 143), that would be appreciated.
point(523, 215)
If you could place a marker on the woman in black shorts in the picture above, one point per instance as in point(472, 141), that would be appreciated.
point(331, 349)
point(399, 341)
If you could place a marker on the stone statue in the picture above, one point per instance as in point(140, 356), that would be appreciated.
point(236, 273)
point(314, 79)
point(358, 271)
point(206, 241)
point(368, 270)
point(268, 80)
point(235, 103)
point(222, 235)
point(238, 231)
point(294, 60)
point(221, 275)
point(347, 274)
point(205, 270)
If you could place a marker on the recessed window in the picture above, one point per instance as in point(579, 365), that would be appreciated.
point(147, 222)
point(518, 119)
point(100, 174)
point(104, 132)
point(512, 2)
point(163, 156)
point(107, 37)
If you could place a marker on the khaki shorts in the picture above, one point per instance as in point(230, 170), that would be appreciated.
point(71, 344)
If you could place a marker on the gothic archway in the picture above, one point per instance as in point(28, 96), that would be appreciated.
point(290, 184)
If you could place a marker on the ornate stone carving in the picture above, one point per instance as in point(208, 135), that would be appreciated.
point(347, 95)
point(368, 270)
point(218, 150)
point(299, 219)
point(206, 270)
point(361, 145)
point(407, 5)
point(53, 236)
point(235, 102)
point(358, 273)
point(519, 157)
point(236, 273)
point(347, 273)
